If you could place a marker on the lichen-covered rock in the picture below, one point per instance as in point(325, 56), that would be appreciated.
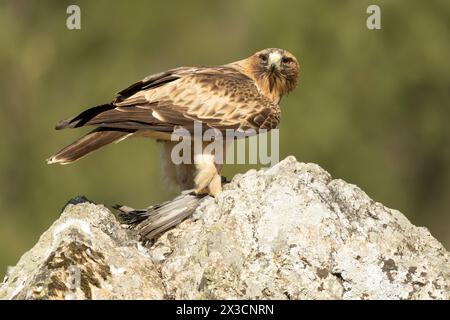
point(288, 232)
point(84, 255)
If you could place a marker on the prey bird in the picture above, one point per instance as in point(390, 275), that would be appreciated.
point(241, 95)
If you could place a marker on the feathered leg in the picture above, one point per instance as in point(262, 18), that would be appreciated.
point(182, 174)
point(207, 177)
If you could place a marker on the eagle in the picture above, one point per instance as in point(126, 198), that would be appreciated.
point(241, 95)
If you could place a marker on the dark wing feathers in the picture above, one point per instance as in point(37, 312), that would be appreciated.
point(83, 117)
point(151, 81)
point(221, 97)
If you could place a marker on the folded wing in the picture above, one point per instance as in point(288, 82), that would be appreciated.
point(220, 97)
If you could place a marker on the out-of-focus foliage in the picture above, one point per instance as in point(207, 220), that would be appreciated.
point(372, 107)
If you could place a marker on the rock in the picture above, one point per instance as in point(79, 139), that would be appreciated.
point(288, 232)
point(84, 255)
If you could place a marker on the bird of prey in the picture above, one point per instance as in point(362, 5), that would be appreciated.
point(240, 95)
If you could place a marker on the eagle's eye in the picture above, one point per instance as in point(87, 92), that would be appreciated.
point(264, 57)
point(286, 60)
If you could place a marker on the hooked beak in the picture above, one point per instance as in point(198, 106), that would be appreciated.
point(274, 61)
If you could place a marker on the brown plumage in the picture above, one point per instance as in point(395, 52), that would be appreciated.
point(239, 95)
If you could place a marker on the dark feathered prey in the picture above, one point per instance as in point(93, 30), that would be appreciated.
point(151, 222)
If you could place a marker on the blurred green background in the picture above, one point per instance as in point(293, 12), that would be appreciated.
point(372, 107)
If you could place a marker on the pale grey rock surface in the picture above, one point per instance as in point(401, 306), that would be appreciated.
point(288, 232)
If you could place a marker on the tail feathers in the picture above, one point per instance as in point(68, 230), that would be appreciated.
point(89, 143)
point(153, 221)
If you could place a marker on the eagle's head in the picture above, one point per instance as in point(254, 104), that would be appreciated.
point(274, 70)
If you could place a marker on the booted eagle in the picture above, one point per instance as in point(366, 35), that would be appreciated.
point(240, 95)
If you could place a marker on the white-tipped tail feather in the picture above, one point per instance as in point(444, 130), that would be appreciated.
point(87, 144)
